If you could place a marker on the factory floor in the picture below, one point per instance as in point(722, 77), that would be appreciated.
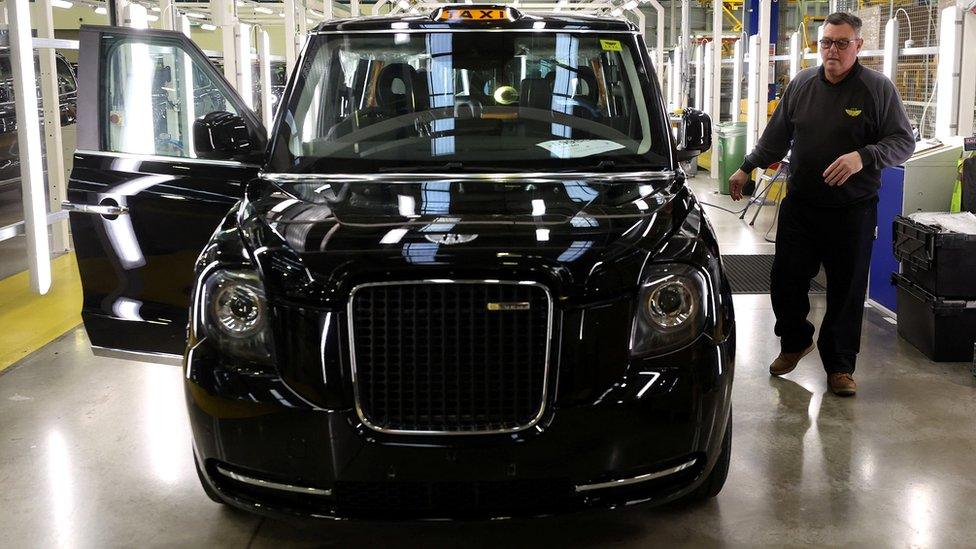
point(95, 452)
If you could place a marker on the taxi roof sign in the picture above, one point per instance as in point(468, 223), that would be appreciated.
point(475, 13)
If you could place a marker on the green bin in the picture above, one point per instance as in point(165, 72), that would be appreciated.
point(731, 149)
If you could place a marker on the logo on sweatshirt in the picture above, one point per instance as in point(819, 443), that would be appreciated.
point(853, 112)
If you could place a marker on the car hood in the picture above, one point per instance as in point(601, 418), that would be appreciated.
point(586, 237)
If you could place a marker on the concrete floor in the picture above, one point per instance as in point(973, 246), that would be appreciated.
point(95, 452)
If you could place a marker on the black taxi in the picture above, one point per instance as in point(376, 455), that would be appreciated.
point(462, 275)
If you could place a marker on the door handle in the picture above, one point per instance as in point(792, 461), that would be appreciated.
point(95, 209)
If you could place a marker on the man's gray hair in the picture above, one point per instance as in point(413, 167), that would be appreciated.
point(843, 18)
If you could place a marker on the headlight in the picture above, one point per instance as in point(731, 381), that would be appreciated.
point(673, 307)
point(235, 314)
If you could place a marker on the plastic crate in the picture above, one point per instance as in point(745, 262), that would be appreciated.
point(941, 263)
point(943, 329)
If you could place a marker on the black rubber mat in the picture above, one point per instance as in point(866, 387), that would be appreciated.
point(749, 274)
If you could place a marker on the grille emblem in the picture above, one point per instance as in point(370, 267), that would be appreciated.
point(509, 306)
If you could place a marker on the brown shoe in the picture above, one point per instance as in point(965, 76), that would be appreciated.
point(785, 362)
point(842, 384)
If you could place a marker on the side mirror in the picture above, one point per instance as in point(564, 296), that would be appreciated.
point(221, 136)
point(696, 132)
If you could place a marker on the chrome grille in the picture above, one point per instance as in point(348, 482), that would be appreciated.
point(450, 357)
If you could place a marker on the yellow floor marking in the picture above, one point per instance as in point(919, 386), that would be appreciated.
point(29, 321)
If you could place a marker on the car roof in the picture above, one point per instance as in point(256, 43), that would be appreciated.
point(521, 21)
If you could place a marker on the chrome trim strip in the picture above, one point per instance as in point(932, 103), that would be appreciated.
point(635, 480)
point(96, 209)
point(457, 30)
point(274, 485)
point(506, 176)
point(167, 159)
point(545, 373)
point(156, 358)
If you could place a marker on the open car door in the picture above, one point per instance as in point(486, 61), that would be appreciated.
point(165, 146)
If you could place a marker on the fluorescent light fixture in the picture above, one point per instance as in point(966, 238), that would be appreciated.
point(264, 10)
point(208, 27)
point(63, 4)
point(101, 10)
point(195, 15)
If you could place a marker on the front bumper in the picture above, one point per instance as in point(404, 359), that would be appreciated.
point(653, 436)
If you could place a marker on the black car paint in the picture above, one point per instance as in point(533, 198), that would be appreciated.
point(293, 422)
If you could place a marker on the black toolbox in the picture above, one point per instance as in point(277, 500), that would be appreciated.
point(944, 264)
point(943, 329)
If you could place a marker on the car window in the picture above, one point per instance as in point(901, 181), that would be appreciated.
point(151, 95)
point(66, 77)
point(553, 99)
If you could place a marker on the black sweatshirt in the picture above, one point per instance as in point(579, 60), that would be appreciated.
point(821, 121)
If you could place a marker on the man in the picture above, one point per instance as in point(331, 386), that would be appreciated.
point(844, 123)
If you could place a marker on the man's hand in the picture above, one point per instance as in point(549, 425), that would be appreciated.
point(736, 182)
point(842, 168)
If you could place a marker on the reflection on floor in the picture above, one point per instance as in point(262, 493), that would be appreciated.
point(96, 452)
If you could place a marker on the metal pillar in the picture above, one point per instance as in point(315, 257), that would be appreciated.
point(949, 70)
point(659, 40)
point(29, 145)
point(762, 68)
point(50, 94)
point(167, 14)
point(706, 79)
point(715, 91)
point(354, 8)
point(291, 50)
point(796, 54)
point(264, 68)
point(820, 34)
point(967, 76)
point(685, 39)
point(736, 80)
point(699, 74)
point(224, 13)
point(891, 47)
point(752, 114)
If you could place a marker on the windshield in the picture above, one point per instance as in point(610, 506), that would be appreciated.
point(513, 101)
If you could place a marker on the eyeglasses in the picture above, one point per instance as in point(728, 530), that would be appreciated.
point(841, 44)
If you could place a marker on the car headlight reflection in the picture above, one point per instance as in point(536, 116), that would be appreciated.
point(673, 309)
point(236, 314)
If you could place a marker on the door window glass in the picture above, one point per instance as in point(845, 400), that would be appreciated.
point(66, 78)
point(152, 95)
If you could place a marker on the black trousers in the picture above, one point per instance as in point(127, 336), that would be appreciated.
point(840, 239)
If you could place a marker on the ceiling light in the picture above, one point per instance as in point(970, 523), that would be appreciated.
point(195, 15)
point(63, 4)
point(264, 10)
point(208, 27)
point(101, 10)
